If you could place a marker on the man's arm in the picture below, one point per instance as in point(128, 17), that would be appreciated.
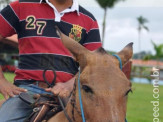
point(6, 88)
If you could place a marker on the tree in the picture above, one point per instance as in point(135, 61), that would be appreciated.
point(3, 3)
point(158, 52)
point(141, 21)
point(105, 4)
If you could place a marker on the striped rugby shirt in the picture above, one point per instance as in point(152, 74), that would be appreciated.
point(39, 46)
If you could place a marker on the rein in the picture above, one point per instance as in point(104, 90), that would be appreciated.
point(51, 85)
point(72, 101)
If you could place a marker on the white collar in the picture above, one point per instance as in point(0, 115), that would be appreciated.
point(74, 7)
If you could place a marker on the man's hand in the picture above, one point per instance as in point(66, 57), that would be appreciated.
point(8, 89)
point(62, 89)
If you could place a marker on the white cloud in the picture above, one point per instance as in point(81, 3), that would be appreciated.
point(126, 3)
point(122, 25)
point(141, 3)
point(88, 3)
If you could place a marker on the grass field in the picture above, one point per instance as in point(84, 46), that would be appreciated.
point(9, 77)
point(140, 108)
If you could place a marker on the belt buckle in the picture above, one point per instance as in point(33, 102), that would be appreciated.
point(37, 83)
point(42, 84)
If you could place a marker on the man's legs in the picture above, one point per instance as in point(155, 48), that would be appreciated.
point(16, 110)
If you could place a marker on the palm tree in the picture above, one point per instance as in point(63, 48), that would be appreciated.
point(159, 50)
point(158, 53)
point(141, 21)
point(105, 4)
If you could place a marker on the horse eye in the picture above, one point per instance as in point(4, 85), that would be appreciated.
point(130, 90)
point(87, 89)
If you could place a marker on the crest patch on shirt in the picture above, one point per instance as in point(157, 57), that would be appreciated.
point(76, 32)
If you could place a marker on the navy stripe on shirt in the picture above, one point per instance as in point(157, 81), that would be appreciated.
point(42, 61)
point(49, 30)
point(87, 13)
point(30, 1)
point(11, 17)
point(92, 36)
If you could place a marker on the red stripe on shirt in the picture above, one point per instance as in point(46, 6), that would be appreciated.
point(92, 46)
point(80, 20)
point(87, 19)
point(41, 11)
point(38, 75)
point(42, 45)
point(5, 28)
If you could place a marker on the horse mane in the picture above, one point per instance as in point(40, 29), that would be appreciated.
point(101, 50)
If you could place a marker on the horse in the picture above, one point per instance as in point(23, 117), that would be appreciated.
point(104, 87)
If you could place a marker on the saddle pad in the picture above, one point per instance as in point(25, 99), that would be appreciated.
point(26, 97)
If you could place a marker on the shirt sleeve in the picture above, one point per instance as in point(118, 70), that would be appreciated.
point(9, 20)
point(93, 40)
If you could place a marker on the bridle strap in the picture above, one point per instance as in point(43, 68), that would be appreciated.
point(61, 103)
point(51, 85)
point(80, 98)
point(119, 59)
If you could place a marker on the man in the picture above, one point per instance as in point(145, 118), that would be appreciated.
point(40, 48)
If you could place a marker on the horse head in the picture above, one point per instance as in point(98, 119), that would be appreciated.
point(104, 87)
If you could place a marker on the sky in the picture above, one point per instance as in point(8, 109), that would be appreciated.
point(122, 24)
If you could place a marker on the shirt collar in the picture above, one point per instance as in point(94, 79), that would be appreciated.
point(74, 7)
point(42, 1)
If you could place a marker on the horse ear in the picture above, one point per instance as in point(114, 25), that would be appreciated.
point(126, 54)
point(74, 47)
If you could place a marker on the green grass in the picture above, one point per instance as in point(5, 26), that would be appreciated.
point(139, 107)
point(9, 77)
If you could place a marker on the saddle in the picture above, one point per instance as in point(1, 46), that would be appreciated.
point(44, 106)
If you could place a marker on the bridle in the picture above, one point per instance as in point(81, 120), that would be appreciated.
point(80, 98)
point(51, 85)
point(73, 101)
point(119, 59)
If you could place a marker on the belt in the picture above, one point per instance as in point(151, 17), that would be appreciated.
point(40, 84)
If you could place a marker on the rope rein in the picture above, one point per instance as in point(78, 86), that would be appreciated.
point(51, 85)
